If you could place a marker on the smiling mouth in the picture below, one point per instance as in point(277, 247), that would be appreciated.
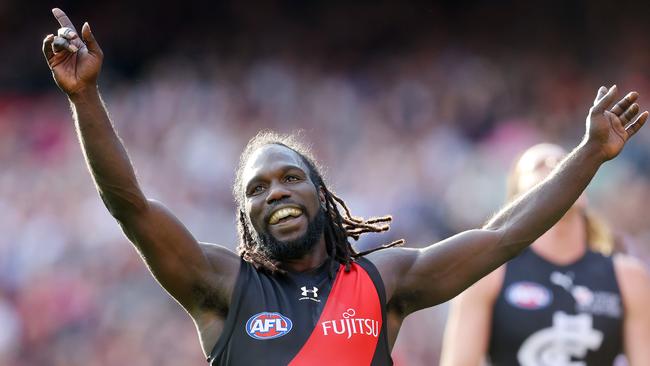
point(284, 214)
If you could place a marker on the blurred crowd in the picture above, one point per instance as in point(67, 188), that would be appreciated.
point(426, 134)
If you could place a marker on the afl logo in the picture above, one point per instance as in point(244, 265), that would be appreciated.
point(268, 325)
point(528, 295)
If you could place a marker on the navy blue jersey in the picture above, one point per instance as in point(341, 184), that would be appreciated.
point(550, 315)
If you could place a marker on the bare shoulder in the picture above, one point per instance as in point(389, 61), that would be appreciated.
point(632, 276)
point(393, 258)
point(396, 265)
point(222, 259)
point(630, 268)
point(391, 264)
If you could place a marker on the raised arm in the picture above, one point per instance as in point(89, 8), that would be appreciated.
point(420, 278)
point(607, 132)
point(193, 276)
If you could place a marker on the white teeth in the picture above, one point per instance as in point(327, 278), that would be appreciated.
point(283, 213)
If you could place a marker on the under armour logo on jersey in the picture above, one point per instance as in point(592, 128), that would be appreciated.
point(308, 294)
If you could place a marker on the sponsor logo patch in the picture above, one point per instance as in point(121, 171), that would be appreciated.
point(350, 325)
point(528, 295)
point(268, 325)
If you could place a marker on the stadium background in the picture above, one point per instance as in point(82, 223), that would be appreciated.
point(416, 108)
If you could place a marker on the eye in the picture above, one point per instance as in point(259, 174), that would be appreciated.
point(292, 178)
point(256, 190)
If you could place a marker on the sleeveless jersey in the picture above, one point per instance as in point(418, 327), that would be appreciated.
point(323, 317)
point(550, 315)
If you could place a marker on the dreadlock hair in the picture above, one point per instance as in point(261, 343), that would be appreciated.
point(338, 226)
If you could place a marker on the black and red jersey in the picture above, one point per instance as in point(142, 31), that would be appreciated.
point(322, 317)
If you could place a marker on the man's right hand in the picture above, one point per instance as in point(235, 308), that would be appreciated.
point(609, 129)
point(75, 63)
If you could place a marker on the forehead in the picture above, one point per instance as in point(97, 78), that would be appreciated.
point(269, 159)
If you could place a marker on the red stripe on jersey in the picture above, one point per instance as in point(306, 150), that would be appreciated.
point(349, 326)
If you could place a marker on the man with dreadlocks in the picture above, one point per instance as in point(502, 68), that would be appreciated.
point(298, 293)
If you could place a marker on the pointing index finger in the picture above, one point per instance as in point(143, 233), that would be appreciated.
point(63, 19)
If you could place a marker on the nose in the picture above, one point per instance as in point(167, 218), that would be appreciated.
point(277, 192)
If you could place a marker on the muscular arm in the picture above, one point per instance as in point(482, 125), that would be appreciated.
point(174, 257)
point(416, 279)
point(441, 271)
point(106, 157)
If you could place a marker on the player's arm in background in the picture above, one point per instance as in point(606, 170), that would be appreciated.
point(420, 278)
point(467, 332)
point(172, 254)
point(634, 284)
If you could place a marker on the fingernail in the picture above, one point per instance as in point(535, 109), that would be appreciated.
point(73, 48)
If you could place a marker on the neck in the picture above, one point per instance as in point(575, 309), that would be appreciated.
point(309, 261)
point(565, 242)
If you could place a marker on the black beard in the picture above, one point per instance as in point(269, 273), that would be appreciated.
point(295, 249)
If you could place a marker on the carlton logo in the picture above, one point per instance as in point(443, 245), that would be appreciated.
point(268, 325)
point(528, 295)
